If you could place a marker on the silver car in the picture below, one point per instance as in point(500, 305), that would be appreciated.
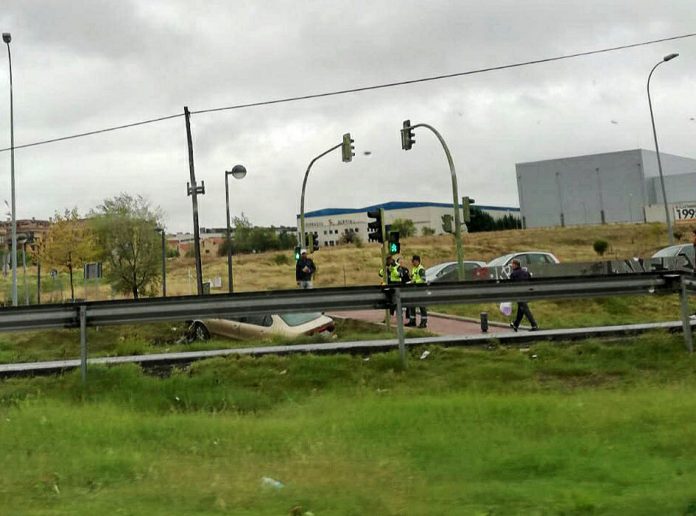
point(500, 267)
point(263, 326)
point(448, 271)
point(674, 256)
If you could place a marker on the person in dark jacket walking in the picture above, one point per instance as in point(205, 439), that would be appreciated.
point(304, 270)
point(520, 274)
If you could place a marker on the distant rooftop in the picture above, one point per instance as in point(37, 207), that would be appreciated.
point(396, 205)
point(628, 151)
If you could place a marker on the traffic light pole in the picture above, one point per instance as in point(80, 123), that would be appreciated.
point(455, 198)
point(301, 233)
point(387, 315)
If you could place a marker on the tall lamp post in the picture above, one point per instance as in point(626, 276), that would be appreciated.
point(670, 232)
point(164, 261)
point(238, 172)
point(407, 141)
point(7, 37)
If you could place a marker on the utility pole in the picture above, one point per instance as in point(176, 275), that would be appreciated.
point(193, 190)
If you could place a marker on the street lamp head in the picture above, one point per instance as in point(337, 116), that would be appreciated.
point(6, 37)
point(159, 229)
point(669, 57)
point(238, 171)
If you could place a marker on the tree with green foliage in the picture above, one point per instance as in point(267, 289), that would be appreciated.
point(600, 247)
point(248, 238)
point(480, 221)
point(427, 231)
point(508, 221)
point(68, 244)
point(128, 243)
point(405, 227)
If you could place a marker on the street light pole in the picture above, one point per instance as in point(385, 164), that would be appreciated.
point(238, 172)
point(300, 236)
point(7, 37)
point(670, 231)
point(455, 200)
point(164, 261)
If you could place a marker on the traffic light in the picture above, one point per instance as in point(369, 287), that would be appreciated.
point(306, 241)
point(315, 241)
point(407, 136)
point(394, 245)
point(466, 208)
point(374, 229)
point(297, 253)
point(347, 148)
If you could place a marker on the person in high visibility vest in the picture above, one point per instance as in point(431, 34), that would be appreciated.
point(417, 278)
point(393, 275)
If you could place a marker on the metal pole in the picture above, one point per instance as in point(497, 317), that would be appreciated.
point(230, 288)
point(24, 272)
point(12, 183)
point(300, 236)
point(601, 198)
point(193, 191)
point(670, 232)
point(455, 198)
point(387, 276)
point(686, 320)
point(83, 343)
point(400, 327)
point(560, 197)
point(164, 266)
point(38, 282)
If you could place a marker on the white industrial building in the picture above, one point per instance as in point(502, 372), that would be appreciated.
point(602, 188)
point(331, 223)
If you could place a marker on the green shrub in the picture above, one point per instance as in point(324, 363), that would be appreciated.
point(426, 231)
point(600, 247)
point(281, 259)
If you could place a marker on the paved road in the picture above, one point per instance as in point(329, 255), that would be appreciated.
point(436, 325)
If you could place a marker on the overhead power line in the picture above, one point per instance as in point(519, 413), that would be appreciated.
point(356, 90)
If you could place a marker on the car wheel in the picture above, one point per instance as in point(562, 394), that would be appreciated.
point(200, 332)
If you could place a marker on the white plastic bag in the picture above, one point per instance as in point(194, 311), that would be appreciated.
point(506, 308)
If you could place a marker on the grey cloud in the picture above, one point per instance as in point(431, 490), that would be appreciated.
point(82, 65)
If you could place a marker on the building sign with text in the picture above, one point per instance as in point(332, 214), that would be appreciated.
point(685, 212)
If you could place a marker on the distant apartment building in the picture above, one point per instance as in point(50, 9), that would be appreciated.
point(31, 231)
point(331, 223)
point(212, 239)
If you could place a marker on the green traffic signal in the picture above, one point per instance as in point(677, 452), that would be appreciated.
point(393, 245)
point(297, 253)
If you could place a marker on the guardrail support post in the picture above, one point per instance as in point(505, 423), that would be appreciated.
point(83, 343)
point(686, 321)
point(400, 327)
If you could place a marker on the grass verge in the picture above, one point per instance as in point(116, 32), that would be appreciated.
point(596, 428)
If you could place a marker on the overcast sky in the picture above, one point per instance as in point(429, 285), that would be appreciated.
point(84, 65)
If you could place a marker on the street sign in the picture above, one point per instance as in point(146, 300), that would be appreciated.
point(685, 212)
point(92, 270)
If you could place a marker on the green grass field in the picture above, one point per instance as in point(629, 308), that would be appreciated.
point(587, 428)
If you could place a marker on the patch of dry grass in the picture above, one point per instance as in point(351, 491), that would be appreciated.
point(350, 265)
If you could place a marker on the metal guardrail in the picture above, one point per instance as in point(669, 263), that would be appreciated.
point(354, 347)
point(86, 314)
